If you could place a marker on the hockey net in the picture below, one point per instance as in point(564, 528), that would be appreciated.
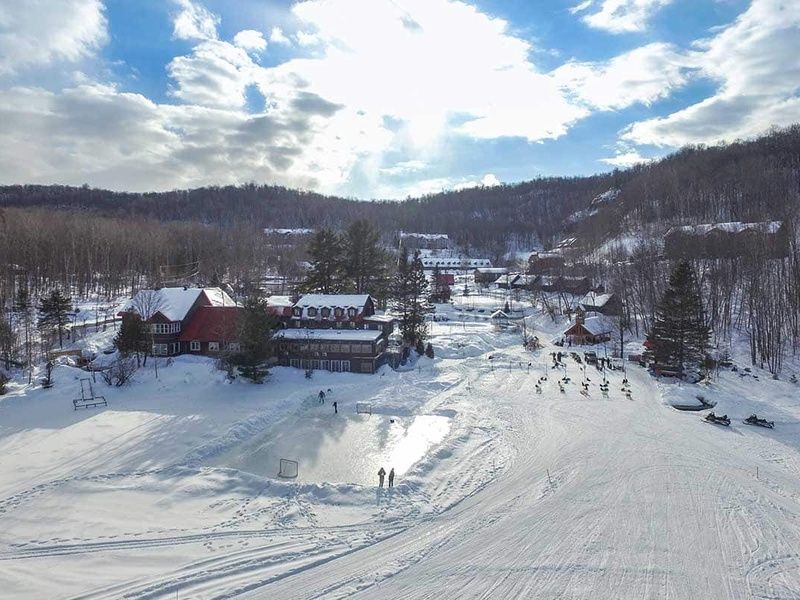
point(288, 468)
point(364, 408)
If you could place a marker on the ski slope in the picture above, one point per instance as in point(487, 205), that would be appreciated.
point(551, 495)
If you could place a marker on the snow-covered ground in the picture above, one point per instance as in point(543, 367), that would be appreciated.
point(501, 491)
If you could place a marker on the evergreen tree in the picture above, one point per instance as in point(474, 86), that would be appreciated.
point(24, 311)
point(440, 291)
point(409, 291)
point(8, 340)
point(255, 332)
point(679, 335)
point(132, 336)
point(364, 263)
point(54, 313)
point(326, 256)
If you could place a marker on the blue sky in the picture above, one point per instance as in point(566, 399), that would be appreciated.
point(381, 98)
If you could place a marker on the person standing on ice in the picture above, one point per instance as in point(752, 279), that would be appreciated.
point(321, 397)
point(335, 407)
point(381, 475)
point(391, 478)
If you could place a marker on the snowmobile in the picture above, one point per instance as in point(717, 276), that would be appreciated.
point(754, 420)
point(723, 420)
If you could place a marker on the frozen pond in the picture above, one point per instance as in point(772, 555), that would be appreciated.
point(343, 448)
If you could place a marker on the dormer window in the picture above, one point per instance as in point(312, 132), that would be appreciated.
point(312, 312)
point(297, 311)
point(326, 312)
point(351, 312)
point(338, 312)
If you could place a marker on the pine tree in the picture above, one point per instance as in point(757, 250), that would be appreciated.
point(24, 311)
point(54, 313)
point(326, 257)
point(409, 291)
point(132, 336)
point(255, 332)
point(679, 335)
point(364, 261)
point(440, 291)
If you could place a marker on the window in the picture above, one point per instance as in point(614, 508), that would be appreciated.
point(366, 367)
point(312, 312)
point(165, 328)
point(324, 365)
point(326, 312)
point(344, 348)
point(351, 312)
point(297, 311)
point(194, 346)
point(175, 348)
point(213, 346)
point(345, 366)
point(160, 349)
point(294, 362)
point(338, 312)
point(234, 347)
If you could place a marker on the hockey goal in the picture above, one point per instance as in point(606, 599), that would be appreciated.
point(364, 408)
point(288, 468)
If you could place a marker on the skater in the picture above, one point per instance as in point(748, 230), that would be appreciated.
point(335, 407)
point(391, 478)
point(321, 397)
point(381, 475)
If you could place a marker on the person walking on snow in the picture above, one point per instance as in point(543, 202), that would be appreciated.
point(381, 475)
point(335, 407)
point(391, 478)
point(321, 397)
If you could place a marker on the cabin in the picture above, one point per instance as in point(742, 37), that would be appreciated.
point(487, 275)
point(334, 332)
point(769, 239)
point(589, 328)
point(169, 312)
point(545, 262)
point(604, 304)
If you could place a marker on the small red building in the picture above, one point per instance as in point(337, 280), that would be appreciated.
point(212, 329)
point(589, 328)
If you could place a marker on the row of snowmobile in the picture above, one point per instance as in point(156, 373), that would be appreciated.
point(751, 420)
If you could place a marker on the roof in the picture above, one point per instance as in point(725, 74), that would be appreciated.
point(731, 227)
point(499, 314)
point(280, 301)
point(595, 325)
point(344, 301)
point(348, 335)
point(490, 270)
point(381, 318)
point(212, 324)
point(288, 230)
point(592, 299)
point(175, 302)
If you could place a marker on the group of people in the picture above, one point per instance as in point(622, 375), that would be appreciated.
point(382, 474)
point(321, 397)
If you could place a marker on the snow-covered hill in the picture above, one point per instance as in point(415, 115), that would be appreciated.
point(502, 491)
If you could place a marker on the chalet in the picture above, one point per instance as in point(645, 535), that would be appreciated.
point(589, 328)
point(545, 262)
point(605, 304)
point(334, 332)
point(486, 275)
point(211, 330)
point(728, 240)
point(170, 311)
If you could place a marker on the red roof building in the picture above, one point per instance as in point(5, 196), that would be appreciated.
point(211, 329)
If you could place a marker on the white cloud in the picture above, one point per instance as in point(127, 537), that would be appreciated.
point(39, 32)
point(626, 159)
point(643, 75)
point(754, 61)
point(277, 36)
point(194, 22)
point(404, 167)
point(215, 74)
point(619, 16)
point(249, 39)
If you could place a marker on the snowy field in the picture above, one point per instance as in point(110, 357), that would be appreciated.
point(501, 491)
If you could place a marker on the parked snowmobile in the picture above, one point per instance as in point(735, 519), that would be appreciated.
point(723, 420)
point(754, 420)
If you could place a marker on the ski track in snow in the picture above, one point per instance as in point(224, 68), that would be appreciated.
point(530, 495)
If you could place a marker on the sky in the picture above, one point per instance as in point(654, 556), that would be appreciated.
point(381, 98)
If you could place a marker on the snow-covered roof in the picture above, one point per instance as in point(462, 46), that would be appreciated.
point(592, 299)
point(454, 262)
point(332, 300)
point(423, 236)
point(492, 270)
point(731, 227)
point(344, 335)
point(288, 231)
point(280, 301)
point(499, 314)
point(381, 318)
point(595, 324)
point(174, 302)
point(605, 197)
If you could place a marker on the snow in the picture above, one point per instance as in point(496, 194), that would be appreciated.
point(333, 300)
point(502, 492)
point(177, 301)
point(730, 227)
point(424, 236)
point(288, 231)
point(593, 299)
point(349, 335)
